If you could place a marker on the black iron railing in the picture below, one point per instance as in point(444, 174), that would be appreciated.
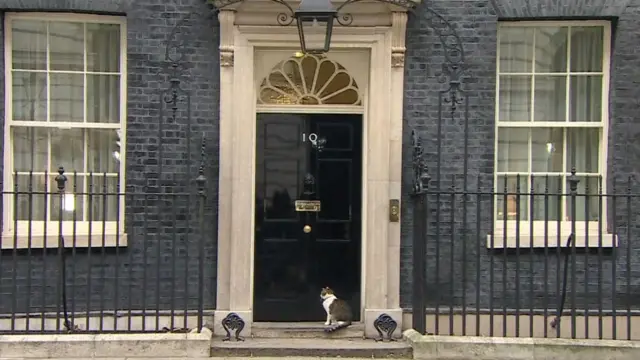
point(501, 259)
point(119, 261)
point(497, 260)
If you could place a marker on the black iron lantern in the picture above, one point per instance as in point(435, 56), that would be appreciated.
point(315, 24)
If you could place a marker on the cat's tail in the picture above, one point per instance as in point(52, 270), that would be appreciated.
point(340, 325)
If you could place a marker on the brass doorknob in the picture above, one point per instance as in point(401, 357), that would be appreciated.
point(306, 229)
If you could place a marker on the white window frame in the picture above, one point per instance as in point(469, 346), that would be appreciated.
point(548, 236)
point(112, 233)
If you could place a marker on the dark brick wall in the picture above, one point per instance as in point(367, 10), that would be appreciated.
point(160, 161)
point(555, 8)
point(465, 271)
point(80, 6)
point(476, 22)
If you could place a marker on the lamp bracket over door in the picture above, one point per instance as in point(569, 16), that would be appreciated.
point(445, 30)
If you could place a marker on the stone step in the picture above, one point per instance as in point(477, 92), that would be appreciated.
point(301, 347)
point(304, 330)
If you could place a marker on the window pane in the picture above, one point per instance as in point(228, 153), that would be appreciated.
point(515, 98)
point(546, 149)
point(516, 49)
point(29, 93)
point(30, 149)
point(583, 150)
point(510, 182)
point(103, 98)
point(551, 49)
point(587, 202)
point(547, 198)
point(67, 92)
point(66, 41)
point(103, 47)
point(104, 151)
point(587, 49)
point(29, 44)
point(103, 199)
point(550, 98)
point(586, 98)
point(513, 150)
point(67, 150)
point(72, 205)
point(31, 206)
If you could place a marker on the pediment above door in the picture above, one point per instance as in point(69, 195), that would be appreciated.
point(269, 12)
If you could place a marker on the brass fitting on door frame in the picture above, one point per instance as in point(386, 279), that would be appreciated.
point(394, 210)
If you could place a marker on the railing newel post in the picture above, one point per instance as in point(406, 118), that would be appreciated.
point(628, 270)
point(201, 182)
point(421, 180)
point(61, 293)
point(573, 188)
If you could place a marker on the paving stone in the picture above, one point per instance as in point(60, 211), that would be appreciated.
point(345, 348)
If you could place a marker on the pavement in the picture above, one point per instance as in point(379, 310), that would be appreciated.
point(212, 358)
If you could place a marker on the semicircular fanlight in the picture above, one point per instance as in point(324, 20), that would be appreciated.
point(309, 80)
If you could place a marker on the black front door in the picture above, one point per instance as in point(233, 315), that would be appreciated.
point(307, 157)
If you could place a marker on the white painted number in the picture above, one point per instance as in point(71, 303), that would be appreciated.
point(313, 138)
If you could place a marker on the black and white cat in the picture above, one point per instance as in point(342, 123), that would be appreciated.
point(338, 310)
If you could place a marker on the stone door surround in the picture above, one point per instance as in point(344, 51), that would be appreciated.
point(378, 30)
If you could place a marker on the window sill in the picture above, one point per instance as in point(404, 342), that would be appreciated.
point(78, 241)
point(552, 241)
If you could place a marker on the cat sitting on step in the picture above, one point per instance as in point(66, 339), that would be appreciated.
point(338, 310)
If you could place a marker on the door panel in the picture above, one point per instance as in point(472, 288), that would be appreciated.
point(291, 265)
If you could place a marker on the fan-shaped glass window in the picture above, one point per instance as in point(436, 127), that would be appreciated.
point(309, 80)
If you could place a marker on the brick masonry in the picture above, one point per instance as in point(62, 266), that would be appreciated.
point(476, 23)
point(464, 263)
point(160, 161)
